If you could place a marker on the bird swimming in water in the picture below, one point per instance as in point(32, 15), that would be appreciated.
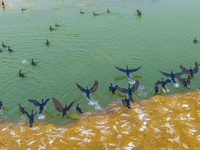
point(156, 89)
point(47, 43)
point(50, 28)
point(2, 2)
point(129, 90)
point(171, 75)
point(195, 41)
point(108, 11)
point(78, 108)
point(10, 50)
point(87, 91)
point(31, 117)
point(139, 12)
point(21, 109)
point(81, 12)
point(126, 102)
point(127, 71)
point(57, 25)
point(59, 107)
point(112, 89)
point(36, 103)
point(94, 14)
point(163, 83)
point(1, 51)
point(191, 72)
point(1, 104)
point(4, 45)
point(184, 82)
point(23, 9)
point(33, 63)
point(21, 74)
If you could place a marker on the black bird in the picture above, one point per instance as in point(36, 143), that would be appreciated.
point(4, 45)
point(33, 63)
point(36, 103)
point(126, 102)
point(31, 117)
point(81, 12)
point(21, 109)
point(191, 72)
point(171, 75)
point(50, 28)
point(47, 43)
point(129, 90)
point(2, 2)
point(23, 9)
point(87, 91)
point(195, 41)
point(10, 50)
point(156, 89)
point(127, 71)
point(108, 11)
point(57, 25)
point(139, 12)
point(163, 83)
point(1, 104)
point(78, 108)
point(1, 51)
point(184, 82)
point(59, 107)
point(94, 14)
point(112, 89)
point(21, 74)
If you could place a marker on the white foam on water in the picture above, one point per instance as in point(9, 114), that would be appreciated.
point(95, 103)
point(131, 81)
point(176, 85)
point(167, 90)
point(41, 117)
point(24, 61)
point(1, 111)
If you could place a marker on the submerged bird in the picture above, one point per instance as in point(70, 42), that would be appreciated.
point(156, 89)
point(163, 83)
point(47, 43)
point(21, 109)
point(31, 117)
point(50, 28)
point(10, 50)
point(191, 72)
point(139, 12)
point(81, 12)
point(4, 45)
point(78, 108)
point(126, 102)
point(1, 104)
point(33, 63)
point(108, 11)
point(36, 103)
point(59, 107)
point(184, 82)
point(195, 41)
point(112, 89)
point(94, 14)
point(129, 90)
point(127, 71)
point(57, 25)
point(87, 91)
point(21, 74)
point(171, 75)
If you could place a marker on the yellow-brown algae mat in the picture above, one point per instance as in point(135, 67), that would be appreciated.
point(161, 123)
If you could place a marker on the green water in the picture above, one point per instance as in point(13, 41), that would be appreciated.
point(86, 48)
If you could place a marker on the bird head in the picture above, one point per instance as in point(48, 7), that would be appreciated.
point(47, 39)
point(55, 22)
point(190, 67)
point(126, 66)
point(171, 71)
point(19, 70)
point(162, 79)
point(86, 87)
point(111, 84)
point(77, 104)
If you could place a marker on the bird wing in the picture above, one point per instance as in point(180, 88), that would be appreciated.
point(45, 102)
point(35, 102)
point(120, 69)
point(184, 70)
point(70, 105)
point(94, 88)
point(27, 114)
point(196, 68)
point(80, 87)
point(57, 104)
point(166, 74)
point(188, 80)
point(124, 103)
point(179, 73)
point(179, 79)
point(135, 87)
point(34, 114)
point(134, 70)
point(167, 81)
point(158, 82)
point(122, 89)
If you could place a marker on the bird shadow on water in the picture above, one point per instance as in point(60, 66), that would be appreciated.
point(67, 117)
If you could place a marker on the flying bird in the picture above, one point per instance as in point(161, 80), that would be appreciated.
point(171, 75)
point(163, 83)
point(156, 89)
point(31, 117)
point(112, 88)
point(191, 71)
point(78, 108)
point(126, 102)
point(184, 82)
point(36, 103)
point(127, 71)
point(21, 109)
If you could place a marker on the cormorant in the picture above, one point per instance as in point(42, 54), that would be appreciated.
point(139, 12)
point(171, 75)
point(127, 71)
point(156, 89)
point(4, 45)
point(59, 107)
point(21, 74)
point(2, 2)
point(94, 14)
point(33, 63)
point(191, 71)
point(21, 109)
point(23, 9)
point(126, 102)
point(50, 28)
point(78, 108)
point(47, 43)
point(195, 41)
point(163, 83)
point(81, 12)
point(183, 81)
point(36, 103)
point(57, 25)
point(108, 11)
point(10, 50)
point(112, 89)
point(1, 104)
point(1, 51)
point(87, 91)
point(31, 117)
point(129, 90)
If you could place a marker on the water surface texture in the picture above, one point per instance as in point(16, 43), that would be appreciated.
point(86, 48)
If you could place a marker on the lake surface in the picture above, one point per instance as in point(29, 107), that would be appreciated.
point(86, 48)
